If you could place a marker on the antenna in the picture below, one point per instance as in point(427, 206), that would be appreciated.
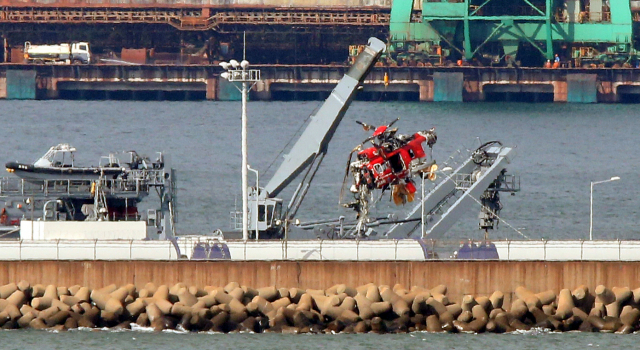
point(244, 45)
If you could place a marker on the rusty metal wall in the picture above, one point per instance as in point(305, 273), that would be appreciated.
point(138, 56)
point(461, 277)
point(201, 3)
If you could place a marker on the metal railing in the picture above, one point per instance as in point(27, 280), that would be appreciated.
point(10, 186)
point(418, 250)
point(87, 250)
point(192, 19)
point(510, 183)
point(324, 250)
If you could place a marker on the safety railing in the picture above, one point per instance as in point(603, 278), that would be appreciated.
point(321, 250)
point(194, 20)
point(87, 250)
point(562, 16)
point(415, 250)
point(10, 186)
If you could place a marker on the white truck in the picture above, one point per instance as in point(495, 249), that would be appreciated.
point(69, 53)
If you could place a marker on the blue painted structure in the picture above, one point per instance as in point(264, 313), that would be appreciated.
point(447, 87)
point(581, 88)
point(21, 84)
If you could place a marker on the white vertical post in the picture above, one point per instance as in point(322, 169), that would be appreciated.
point(257, 194)
point(614, 178)
point(422, 215)
point(246, 75)
point(245, 199)
point(591, 214)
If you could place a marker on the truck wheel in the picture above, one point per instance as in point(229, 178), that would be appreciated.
point(38, 61)
point(76, 61)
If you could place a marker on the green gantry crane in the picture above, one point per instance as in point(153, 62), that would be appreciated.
point(492, 31)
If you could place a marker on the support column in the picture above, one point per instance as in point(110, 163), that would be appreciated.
point(473, 91)
point(5, 46)
point(581, 88)
point(3, 88)
point(560, 91)
point(262, 91)
point(607, 91)
point(51, 91)
point(426, 90)
point(211, 93)
point(468, 52)
point(547, 26)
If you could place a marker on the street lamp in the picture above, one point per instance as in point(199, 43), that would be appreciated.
point(239, 72)
point(615, 178)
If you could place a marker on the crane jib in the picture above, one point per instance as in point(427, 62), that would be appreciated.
point(324, 123)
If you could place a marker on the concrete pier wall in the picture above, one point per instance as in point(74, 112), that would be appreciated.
point(461, 277)
point(467, 84)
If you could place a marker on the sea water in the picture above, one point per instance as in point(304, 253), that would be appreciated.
point(559, 150)
point(142, 340)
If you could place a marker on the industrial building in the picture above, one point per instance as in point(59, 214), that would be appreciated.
point(449, 50)
point(478, 32)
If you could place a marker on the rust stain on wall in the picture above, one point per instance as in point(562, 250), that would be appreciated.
point(463, 277)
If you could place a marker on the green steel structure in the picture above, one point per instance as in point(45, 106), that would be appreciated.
point(588, 31)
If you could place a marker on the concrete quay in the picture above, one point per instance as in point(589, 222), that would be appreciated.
point(315, 82)
point(479, 278)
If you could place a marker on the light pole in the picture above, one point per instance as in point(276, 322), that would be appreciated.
point(257, 195)
point(615, 178)
point(239, 72)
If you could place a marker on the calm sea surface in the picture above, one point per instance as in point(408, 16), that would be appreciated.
point(99, 340)
point(560, 149)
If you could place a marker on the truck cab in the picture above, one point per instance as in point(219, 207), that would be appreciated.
point(80, 52)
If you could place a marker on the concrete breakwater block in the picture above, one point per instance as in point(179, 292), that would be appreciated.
point(340, 308)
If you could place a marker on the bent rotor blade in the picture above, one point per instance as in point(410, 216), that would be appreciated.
point(365, 126)
point(393, 122)
point(346, 174)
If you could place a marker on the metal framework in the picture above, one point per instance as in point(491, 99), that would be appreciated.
point(191, 19)
point(467, 26)
point(457, 192)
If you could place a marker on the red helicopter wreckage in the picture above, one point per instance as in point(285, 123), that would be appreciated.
point(391, 162)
